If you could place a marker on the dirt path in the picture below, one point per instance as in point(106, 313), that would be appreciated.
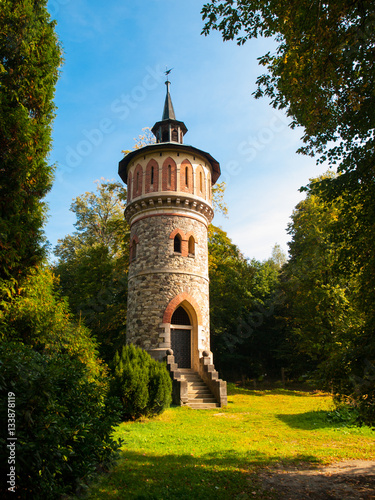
point(349, 480)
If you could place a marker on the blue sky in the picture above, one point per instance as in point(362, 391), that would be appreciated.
point(112, 86)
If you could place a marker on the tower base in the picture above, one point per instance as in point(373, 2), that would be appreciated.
point(187, 388)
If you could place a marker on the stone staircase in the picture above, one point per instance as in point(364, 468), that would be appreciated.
point(199, 395)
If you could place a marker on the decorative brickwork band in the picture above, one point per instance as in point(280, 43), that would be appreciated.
point(177, 301)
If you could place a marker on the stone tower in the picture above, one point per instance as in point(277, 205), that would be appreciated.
point(169, 208)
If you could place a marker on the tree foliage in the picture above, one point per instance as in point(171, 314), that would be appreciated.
point(326, 314)
point(322, 74)
point(37, 317)
point(322, 71)
point(244, 300)
point(29, 60)
point(93, 265)
point(64, 421)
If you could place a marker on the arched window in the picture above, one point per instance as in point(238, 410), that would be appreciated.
point(177, 243)
point(191, 246)
point(174, 135)
point(180, 317)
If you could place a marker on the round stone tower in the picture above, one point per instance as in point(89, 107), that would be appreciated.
point(169, 208)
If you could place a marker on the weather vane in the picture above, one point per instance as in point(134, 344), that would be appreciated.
point(167, 71)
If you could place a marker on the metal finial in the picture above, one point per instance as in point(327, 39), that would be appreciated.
point(167, 71)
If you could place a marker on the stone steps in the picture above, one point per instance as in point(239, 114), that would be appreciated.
point(199, 395)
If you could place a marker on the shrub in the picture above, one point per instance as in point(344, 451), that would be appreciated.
point(64, 420)
point(35, 315)
point(143, 384)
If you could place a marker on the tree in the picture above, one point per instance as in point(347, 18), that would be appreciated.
point(322, 71)
point(326, 314)
point(144, 139)
point(278, 257)
point(321, 295)
point(322, 74)
point(29, 60)
point(93, 264)
point(243, 305)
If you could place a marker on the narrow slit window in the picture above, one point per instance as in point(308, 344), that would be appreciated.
point(137, 181)
point(133, 251)
point(169, 175)
point(201, 181)
point(187, 176)
point(152, 176)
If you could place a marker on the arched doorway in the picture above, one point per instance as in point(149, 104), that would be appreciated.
point(181, 330)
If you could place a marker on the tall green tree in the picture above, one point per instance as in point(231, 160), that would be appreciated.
point(322, 295)
point(326, 315)
point(322, 74)
point(244, 302)
point(93, 264)
point(30, 57)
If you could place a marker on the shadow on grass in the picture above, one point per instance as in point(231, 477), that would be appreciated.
point(185, 477)
point(308, 421)
point(235, 390)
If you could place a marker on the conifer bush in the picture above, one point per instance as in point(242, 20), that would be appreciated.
point(142, 384)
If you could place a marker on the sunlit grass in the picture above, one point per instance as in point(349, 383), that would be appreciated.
point(216, 454)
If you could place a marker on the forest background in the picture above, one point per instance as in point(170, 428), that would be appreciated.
point(313, 316)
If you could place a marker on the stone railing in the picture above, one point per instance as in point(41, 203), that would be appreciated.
point(179, 387)
point(211, 378)
point(207, 372)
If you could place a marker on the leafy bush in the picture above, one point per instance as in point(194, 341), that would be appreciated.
point(32, 313)
point(64, 420)
point(143, 384)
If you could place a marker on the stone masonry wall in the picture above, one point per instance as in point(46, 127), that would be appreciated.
point(158, 274)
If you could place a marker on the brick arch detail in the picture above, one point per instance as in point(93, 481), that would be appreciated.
point(174, 303)
point(198, 172)
point(155, 186)
point(177, 231)
point(138, 170)
point(189, 234)
point(189, 188)
point(184, 240)
point(173, 184)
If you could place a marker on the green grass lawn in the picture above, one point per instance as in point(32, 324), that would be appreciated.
point(217, 454)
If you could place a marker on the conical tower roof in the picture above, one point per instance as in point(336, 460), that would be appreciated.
point(169, 129)
point(168, 113)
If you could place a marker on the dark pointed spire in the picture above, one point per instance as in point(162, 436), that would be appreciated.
point(169, 129)
point(168, 113)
